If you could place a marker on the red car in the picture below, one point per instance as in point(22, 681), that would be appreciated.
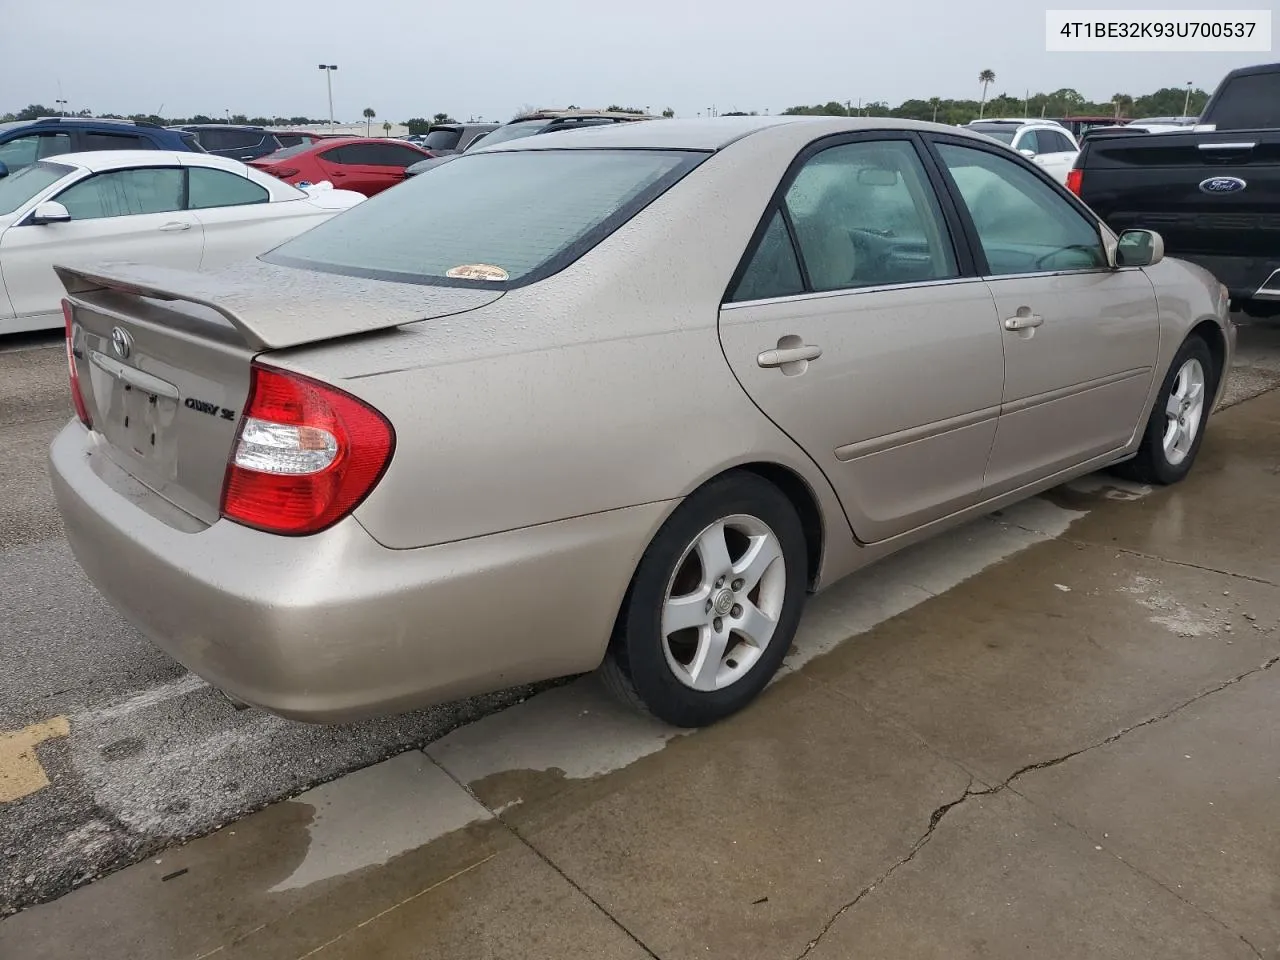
point(363, 164)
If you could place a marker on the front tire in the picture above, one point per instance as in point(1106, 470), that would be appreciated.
point(1176, 426)
point(713, 606)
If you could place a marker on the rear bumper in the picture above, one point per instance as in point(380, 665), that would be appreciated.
point(336, 627)
point(1248, 278)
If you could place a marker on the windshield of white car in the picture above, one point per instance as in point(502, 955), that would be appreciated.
point(489, 219)
point(17, 188)
point(1004, 134)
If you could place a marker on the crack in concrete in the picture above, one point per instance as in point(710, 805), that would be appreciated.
point(936, 817)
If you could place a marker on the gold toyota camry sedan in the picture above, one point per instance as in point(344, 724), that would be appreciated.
point(618, 398)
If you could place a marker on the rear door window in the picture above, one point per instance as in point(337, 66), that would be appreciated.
point(866, 215)
point(221, 188)
point(518, 216)
point(1248, 103)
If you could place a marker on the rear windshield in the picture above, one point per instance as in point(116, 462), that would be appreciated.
point(442, 139)
point(1251, 102)
point(526, 213)
point(516, 130)
point(289, 151)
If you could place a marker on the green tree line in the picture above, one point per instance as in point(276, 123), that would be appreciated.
point(1165, 102)
point(36, 110)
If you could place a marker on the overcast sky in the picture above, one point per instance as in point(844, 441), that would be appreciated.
point(488, 58)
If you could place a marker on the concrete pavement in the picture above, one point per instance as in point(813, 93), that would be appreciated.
point(1050, 735)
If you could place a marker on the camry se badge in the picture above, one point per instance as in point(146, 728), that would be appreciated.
point(1222, 185)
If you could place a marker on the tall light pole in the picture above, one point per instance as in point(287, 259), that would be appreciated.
point(1186, 103)
point(62, 107)
point(328, 69)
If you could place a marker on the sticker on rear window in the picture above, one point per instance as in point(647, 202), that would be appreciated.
point(478, 271)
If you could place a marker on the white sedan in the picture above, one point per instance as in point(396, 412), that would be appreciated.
point(192, 211)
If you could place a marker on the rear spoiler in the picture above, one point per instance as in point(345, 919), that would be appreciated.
point(267, 306)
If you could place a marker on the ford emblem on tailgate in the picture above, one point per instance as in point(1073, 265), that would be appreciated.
point(121, 342)
point(1222, 185)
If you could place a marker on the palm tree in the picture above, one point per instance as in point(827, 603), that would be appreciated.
point(935, 102)
point(368, 119)
point(1122, 103)
point(986, 78)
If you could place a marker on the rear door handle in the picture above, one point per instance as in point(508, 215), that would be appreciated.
point(776, 358)
point(175, 227)
point(1022, 322)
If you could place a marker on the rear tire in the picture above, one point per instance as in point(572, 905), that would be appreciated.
point(1176, 426)
point(713, 606)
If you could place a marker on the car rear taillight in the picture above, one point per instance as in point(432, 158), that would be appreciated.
point(1075, 178)
point(282, 172)
point(305, 455)
point(77, 398)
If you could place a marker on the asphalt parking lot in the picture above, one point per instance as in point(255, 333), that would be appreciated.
point(138, 754)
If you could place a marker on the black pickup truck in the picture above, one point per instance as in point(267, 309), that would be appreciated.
point(1212, 192)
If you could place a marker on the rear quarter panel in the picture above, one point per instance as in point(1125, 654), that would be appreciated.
point(601, 387)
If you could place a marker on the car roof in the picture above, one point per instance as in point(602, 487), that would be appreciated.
point(707, 133)
point(78, 122)
point(1010, 122)
point(99, 160)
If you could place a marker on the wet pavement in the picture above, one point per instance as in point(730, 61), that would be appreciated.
point(1048, 734)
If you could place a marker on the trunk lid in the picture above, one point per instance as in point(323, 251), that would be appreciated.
point(163, 357)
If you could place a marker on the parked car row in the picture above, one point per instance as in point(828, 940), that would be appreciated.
point(1045, 142)
point(181, 210)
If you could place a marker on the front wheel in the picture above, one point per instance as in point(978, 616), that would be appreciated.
point(713, 606)
point(1176, 427)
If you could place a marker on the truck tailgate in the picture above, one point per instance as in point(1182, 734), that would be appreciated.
point(1216, 195)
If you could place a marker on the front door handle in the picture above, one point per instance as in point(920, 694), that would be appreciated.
point(776, 358)
point(1023, 321)
point(175, 227)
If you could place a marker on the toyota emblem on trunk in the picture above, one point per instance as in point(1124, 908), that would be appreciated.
point(121, 342)
point(1222, 185)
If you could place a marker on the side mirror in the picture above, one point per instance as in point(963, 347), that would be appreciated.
point(1139, 248)
point(51, 211)
point(1027, 153)
point(4, 170)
